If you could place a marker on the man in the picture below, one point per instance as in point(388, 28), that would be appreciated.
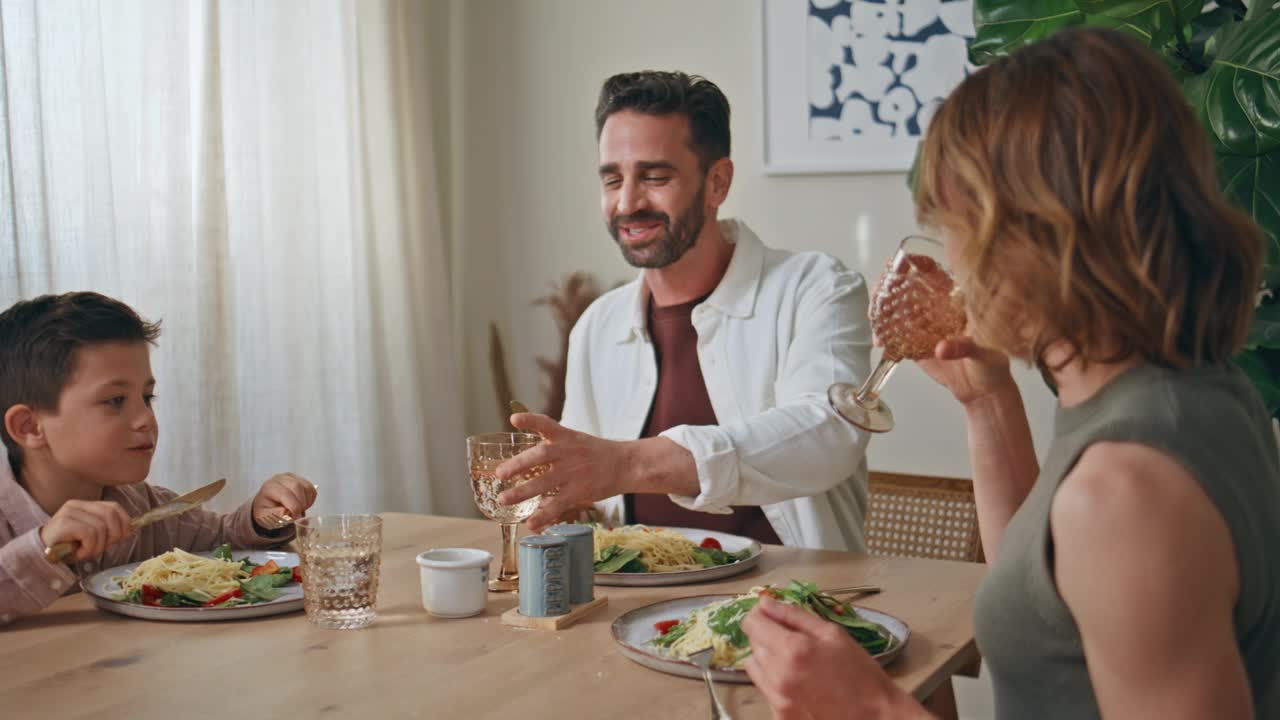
point(696, 394)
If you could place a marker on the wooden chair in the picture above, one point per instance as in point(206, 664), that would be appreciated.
point(926, 517)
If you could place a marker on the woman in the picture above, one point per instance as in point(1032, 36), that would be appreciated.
point(1133, 574)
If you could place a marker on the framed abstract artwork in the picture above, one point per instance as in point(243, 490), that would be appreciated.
point(849, 86)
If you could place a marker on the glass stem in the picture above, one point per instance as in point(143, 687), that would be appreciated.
point(510, 567)
point(869, 394)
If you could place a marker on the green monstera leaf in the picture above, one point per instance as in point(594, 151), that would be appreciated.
point(1238, 97)
point(1264, 331)
point(1002, 27)
point(1006, 25)
point(1156, 23)
point(1253, 183)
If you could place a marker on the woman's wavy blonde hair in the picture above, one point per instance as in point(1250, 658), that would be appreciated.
point(1082, 193)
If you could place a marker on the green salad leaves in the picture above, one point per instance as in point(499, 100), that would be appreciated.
point(615, 558)
point(726, 620)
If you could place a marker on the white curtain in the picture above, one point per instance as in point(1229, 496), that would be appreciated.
point(258, 175)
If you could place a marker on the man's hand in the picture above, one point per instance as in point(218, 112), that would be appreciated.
point(95, 524)
point(579, 470)
point(283, 493)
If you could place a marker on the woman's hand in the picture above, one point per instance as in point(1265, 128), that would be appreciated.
point(969, 371)
point(808, 668)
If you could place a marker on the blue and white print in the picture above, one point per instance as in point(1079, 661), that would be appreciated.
point(875, 70)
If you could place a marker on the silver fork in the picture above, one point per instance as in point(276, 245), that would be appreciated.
point(702, 659)
point(283, 518)
point(277, 521)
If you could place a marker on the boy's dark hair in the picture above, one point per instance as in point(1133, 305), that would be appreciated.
point(665, 93)
point(38, 343)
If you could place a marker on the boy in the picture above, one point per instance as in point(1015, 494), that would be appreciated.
point(76, 392)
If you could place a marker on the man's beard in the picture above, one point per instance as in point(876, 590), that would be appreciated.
point(674, 241)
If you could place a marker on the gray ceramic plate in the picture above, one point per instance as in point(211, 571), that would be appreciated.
point(728, 543)
point(103, 588)
point(633, 631)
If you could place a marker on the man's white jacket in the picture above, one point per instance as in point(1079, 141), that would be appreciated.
point(775, 333)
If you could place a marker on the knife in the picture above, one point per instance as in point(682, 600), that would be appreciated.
point(61, 551)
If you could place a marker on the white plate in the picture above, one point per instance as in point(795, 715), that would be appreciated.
point(633, 631)
point(728, 543)
point(103, 589)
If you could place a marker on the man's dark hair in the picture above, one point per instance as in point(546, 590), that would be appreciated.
point(39, 339)
point(665, 93)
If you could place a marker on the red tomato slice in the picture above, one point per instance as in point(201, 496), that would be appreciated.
point(271, 568)
point(233, 593)
point(665, 626)
point(151, 595)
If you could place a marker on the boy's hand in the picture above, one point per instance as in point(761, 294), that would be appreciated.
point(283, 493)
point(95, 524)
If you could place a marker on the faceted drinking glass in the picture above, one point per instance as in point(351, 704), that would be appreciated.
point(915, 306)
point(340, 557)
point(485, 453)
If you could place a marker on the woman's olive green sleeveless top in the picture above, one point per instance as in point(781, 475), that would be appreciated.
point(1211, 420)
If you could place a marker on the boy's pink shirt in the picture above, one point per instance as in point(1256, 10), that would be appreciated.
point(29, 583)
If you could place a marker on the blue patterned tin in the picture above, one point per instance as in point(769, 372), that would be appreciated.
point(582, 560)
point(544, 576)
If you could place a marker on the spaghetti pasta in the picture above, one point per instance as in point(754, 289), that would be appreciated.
point(179, 571)
point(661, 550)
point(698, 635)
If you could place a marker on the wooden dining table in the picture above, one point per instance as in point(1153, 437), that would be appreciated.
point(75, 661)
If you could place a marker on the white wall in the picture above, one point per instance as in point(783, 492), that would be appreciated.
point(525, 204)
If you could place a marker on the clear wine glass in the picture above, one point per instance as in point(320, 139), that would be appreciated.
point(915, 305)
point(485, 453)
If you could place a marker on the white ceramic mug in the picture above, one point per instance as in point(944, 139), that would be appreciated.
point(454, 581)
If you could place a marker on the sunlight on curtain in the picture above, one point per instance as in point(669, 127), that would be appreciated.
point(260, 176)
